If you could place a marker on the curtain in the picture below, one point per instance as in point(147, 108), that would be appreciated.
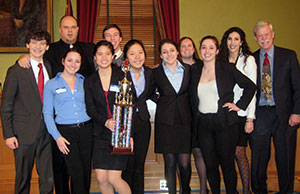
point(69, 9)
point(167, 15)
point(87, 12)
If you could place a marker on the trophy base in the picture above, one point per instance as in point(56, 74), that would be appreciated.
point(123, 151)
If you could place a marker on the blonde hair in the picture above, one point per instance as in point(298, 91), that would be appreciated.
point(262, 24)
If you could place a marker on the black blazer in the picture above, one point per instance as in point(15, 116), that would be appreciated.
point(168, 98)
point(226, 77)
point(96, 102)
point(21, 104)
point(140, 102)
point(286, 82)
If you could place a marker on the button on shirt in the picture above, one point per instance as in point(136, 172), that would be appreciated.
point(262, 100)
point(69, 106)
point(176, 77)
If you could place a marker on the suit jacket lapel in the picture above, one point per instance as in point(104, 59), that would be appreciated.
point(185, 79)
point(98, 88)
point(132, 86)
point(48, 68)
point(147, 82)
point(275, 66)
point(164, 76)
point(113, 81)
point(33, 82)
point(197, 71)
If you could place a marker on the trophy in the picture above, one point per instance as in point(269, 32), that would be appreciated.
point(122, 114)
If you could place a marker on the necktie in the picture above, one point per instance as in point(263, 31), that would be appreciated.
point(41, 81)
point(266, 78)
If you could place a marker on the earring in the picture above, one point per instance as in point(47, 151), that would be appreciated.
point(240, 50)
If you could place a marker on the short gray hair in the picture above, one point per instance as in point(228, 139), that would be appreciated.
point(262, 24)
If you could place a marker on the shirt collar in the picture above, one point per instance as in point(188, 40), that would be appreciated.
point(78, 75)
point(131, 71)
point(179, 66)
point(270, 52)
point(34, 63)
point(118, 54)
point(67, 45)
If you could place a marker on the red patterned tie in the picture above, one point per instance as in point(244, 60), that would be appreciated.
point(267, 80)
point(41, 81)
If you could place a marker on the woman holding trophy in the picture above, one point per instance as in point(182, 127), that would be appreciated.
point(100, 91)
point(141, 78)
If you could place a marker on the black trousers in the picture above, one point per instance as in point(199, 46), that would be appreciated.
point(78, 160)
point(60, 172)
point(218, 146)
point(134, 173)
point(267, 126)
point(25, 155)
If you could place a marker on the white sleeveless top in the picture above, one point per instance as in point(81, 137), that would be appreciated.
point(208, 97)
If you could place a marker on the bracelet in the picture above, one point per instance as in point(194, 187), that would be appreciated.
point(248, 121)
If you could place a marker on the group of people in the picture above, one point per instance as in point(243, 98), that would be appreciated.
point(57, 110)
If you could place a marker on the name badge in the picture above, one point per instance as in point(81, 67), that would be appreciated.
point(114, 88)
point(61, 90)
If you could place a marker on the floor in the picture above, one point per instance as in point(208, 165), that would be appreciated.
point(197, 192)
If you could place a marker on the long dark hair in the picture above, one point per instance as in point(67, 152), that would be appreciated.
point(224, 51)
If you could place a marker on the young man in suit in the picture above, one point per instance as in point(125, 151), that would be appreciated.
point(113, 34)
point(68, 30)
point(23, 124)
point(277, 111)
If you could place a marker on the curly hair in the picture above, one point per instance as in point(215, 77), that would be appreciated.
point(224, 51)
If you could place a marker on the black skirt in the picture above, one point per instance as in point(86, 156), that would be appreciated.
point(242, 138)
point(103, 159)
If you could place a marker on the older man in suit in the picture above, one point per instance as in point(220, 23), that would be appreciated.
point(277, 111)
point(22, 120)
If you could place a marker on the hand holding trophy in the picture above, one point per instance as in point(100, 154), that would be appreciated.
point(122, 114)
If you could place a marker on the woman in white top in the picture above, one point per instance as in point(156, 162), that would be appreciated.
point(234, 49)
point(215, 119)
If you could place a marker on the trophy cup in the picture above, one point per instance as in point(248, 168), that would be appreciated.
point(122, 114)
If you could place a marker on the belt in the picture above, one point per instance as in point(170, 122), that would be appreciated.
point(267, 106)
point(78, 125)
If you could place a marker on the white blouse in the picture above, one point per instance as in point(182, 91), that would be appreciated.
point(250, 71)
point(208, 97)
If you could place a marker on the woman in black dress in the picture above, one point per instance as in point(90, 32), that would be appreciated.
point(100, 91)
point(173, 116)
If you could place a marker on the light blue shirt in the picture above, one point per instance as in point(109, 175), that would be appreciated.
point(176, 77)
point(139, 85)
point(68, 106)
point(262, 100)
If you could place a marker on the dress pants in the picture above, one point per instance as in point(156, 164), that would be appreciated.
point(78, 160)
point(134, 173)
point(25, 155)
point(218, 146)
point(267, 126)
point(60, 172)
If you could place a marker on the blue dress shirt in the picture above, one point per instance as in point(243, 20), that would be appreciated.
point(139, 85)
point(262, 100)
point(69, 106)
point(175, 78)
